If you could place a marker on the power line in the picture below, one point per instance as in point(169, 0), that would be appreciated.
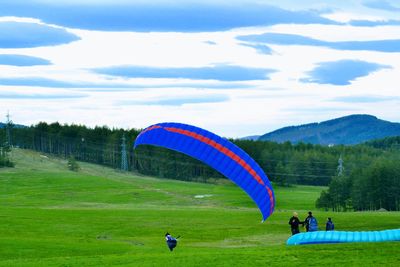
point(107, 154)
point(107, 148)
point(300, 175)
point(115, 147)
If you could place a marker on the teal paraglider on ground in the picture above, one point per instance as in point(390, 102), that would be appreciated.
point(326, 237)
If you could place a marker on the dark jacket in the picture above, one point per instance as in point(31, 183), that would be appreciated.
point(294, 222)
point(294, 225)
point(307, 222)
point(330, 226)
point(171, 242)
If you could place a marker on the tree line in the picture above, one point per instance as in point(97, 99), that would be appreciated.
point(4, 156)
point(372, 187)
point(5, 147)
point(285, 164)
point(100, 145)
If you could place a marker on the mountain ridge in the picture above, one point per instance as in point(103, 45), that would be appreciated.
point(3, 125)
point(347, 130)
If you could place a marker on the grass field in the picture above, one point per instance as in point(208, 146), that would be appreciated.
point(50, 216)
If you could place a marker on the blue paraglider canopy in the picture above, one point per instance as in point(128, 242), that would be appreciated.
point(217, 152)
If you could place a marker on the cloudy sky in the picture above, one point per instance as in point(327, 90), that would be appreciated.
point(237, 68)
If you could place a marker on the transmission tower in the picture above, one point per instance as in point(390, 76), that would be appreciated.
point(8, 129)
point(124, 157)
point(340, 168)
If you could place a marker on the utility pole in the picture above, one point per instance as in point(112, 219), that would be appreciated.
point(124, 157)
point(340, 167)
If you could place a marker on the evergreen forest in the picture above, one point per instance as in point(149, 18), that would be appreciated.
point(358, 177)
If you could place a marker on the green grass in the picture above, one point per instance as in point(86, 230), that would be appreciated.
point(50, 216)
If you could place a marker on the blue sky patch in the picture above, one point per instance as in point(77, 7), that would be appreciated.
point(36, 82)
point(25, 35)
point(341, 72)
point(22, 60)
point(162, 16)
point(382, 5)
point(178, 101)
point(218, 72)
point(364, 99)
point(51, 83)
point(371, 23)
point(104, 87)
point(13, 95)
point(260, 48)
point(293, 39)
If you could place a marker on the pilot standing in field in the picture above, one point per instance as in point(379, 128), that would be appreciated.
point(330, 226)
point(294, 223)
point(311, 223)
point(171, 241)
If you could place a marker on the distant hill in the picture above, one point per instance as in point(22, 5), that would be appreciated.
point(3, 125)
point(348, 130)
point(252, 137)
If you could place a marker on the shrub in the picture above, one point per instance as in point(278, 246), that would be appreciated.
point(73, 164)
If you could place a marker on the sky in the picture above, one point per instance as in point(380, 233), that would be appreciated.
point(237, 68)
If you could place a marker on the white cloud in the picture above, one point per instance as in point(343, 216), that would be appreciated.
point(254, 107)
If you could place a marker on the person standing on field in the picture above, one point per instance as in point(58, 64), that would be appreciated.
point(294, 223)
point(311, 223)
point(171, 241)
point(330, 226)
